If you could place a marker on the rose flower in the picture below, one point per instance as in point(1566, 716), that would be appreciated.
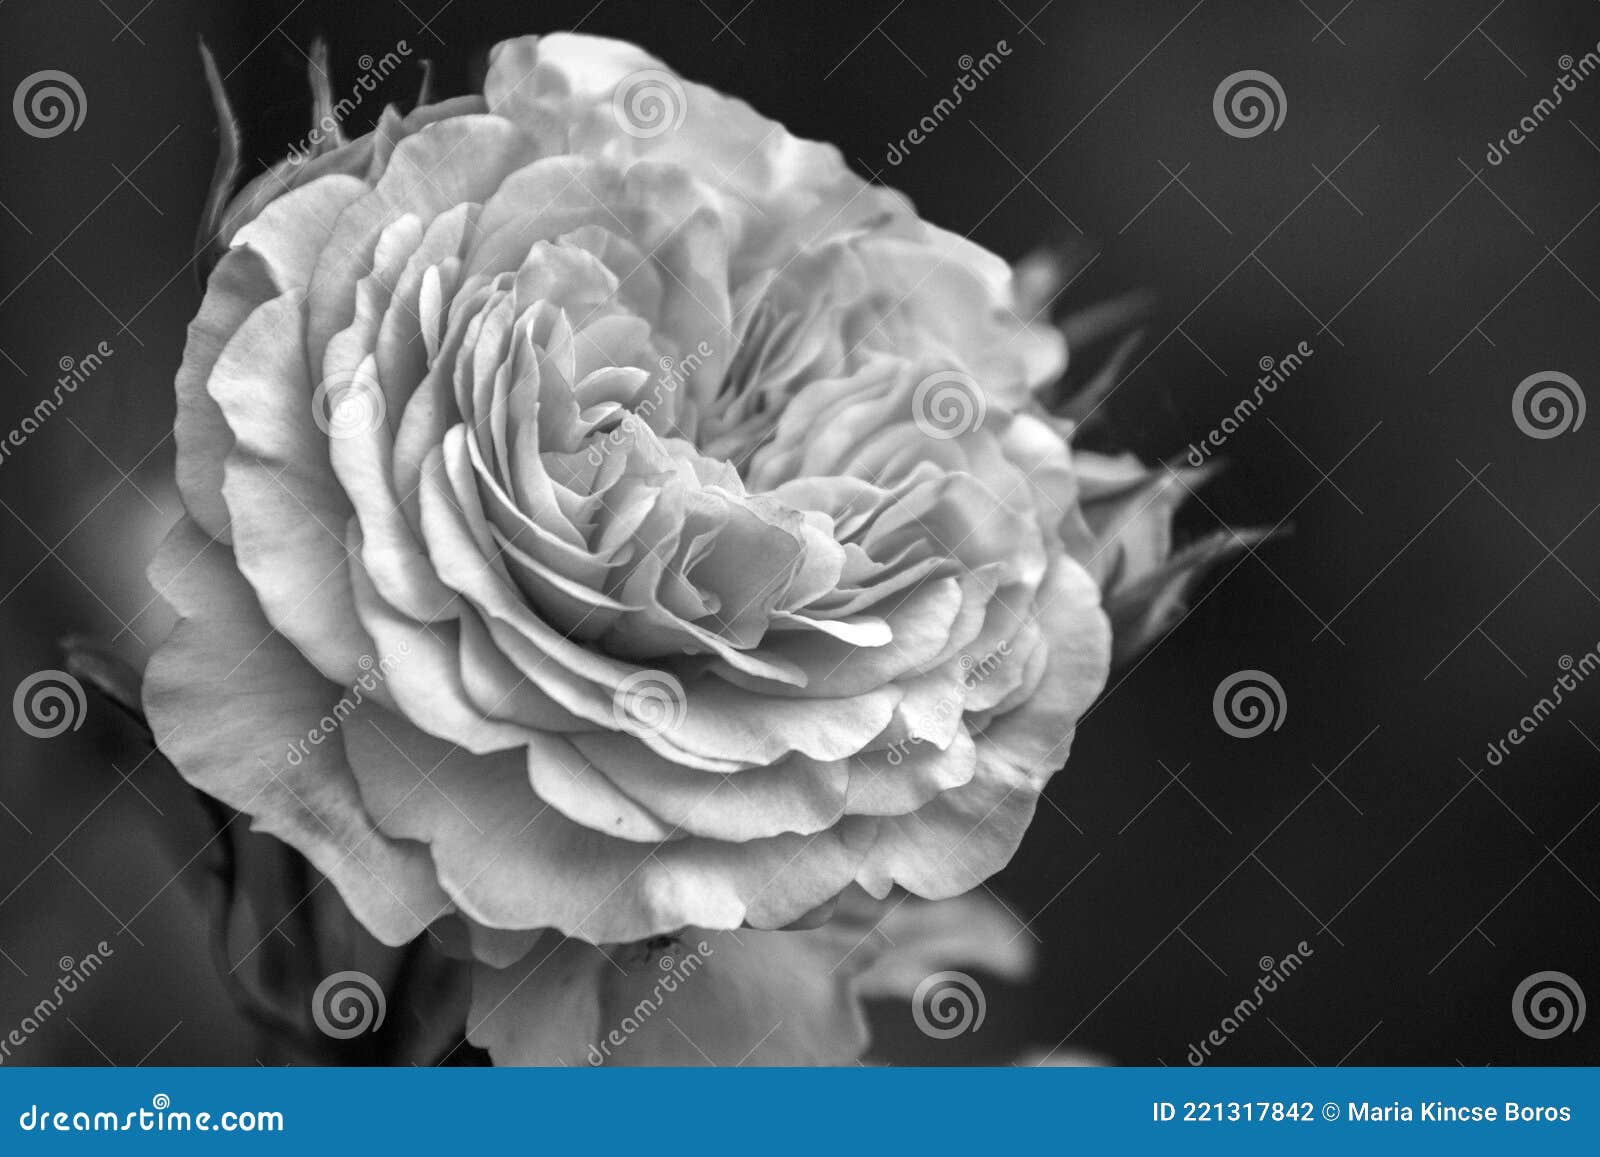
point(608, 516)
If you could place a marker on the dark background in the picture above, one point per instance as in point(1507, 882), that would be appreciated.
point(1434, 564)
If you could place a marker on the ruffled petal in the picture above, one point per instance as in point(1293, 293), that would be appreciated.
point(736, 998)
point(245, 719)
point(288, 510)
point(512, 861)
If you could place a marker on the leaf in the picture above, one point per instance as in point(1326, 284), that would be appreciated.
point(1083, 401)
point(276, 928)
point(323, 113)
point(107, 673)
point(209, 245)
point(425, 86)
point(1145, 609)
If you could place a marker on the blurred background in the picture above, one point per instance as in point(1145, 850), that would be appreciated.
point(1434, 572)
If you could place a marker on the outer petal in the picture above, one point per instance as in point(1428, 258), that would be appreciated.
point(241, 281)
point(761, 998)
point(735, 998)
point(289, 513)
point(964, 835)
point(272, 254)
point(543, 1010)
point(1037, 735)
point(230, 700)
point(512, 861)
